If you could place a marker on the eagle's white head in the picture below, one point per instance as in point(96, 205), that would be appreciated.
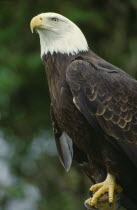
point(58, 34)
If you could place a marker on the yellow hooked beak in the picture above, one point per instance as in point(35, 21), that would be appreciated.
point(37, 22)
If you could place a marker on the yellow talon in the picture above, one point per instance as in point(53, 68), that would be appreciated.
point(109, 186)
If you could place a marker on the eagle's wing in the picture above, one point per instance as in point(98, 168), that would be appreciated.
point(63, 143)
point(107, 97)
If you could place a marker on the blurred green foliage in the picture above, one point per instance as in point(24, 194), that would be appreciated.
point(32, 177)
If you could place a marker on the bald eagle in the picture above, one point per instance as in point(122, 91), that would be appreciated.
point(93, 109)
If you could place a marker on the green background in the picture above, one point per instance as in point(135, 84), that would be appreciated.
point(31, 176)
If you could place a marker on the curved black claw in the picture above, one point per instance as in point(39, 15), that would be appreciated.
point(110, 204)
point(87, 206)
point(94, 207)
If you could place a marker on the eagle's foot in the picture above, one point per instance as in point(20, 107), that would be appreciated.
point(109, 186)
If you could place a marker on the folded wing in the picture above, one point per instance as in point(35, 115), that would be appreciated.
point(107, 97)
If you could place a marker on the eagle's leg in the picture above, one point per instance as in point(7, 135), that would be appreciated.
point(109, 185)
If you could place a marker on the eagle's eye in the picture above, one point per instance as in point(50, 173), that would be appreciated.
point(55, 19)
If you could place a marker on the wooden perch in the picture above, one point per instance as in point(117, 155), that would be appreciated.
point(104, 205)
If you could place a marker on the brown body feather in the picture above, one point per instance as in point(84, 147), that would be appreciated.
point(95, 104)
